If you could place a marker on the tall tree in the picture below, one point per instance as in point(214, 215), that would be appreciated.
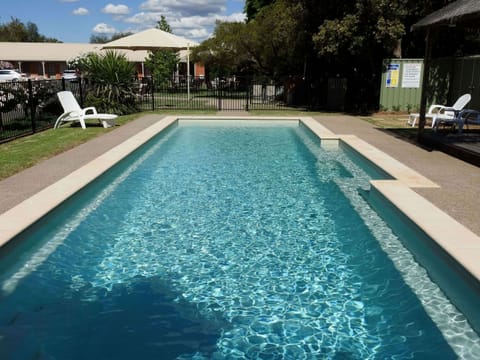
point(162, 63)
point(99, 39)
point(17, 31)
point(271, 44)
point(252, 7)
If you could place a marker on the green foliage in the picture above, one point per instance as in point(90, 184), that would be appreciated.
point(99, 39)
point(103, 39)
point(17, 31)
point(372, 25)
point(111, 82)
point(224, 53)
point(164, 25)
point(252, 7)
point(271, 44)
point(162, 63)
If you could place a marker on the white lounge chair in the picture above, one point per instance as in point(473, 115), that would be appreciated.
point(73, 112)
point(441, 113)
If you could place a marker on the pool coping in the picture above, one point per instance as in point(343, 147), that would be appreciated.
point(457, 240)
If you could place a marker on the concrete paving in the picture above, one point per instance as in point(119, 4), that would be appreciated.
point(459, 181)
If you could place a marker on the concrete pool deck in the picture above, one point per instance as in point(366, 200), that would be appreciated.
point(451, 185)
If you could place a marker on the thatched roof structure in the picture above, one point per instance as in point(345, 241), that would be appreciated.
point(458, 11)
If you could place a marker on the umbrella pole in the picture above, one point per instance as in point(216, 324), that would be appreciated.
point(188, 72)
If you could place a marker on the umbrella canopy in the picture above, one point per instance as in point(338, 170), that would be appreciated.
point(151, 39)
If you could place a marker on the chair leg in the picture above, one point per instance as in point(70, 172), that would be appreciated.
point(412, 120)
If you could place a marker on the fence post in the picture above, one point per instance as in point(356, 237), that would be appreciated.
point(32, 105)
point(153, 93)
point(248, 84)
point(63, 84)
point(80, 90)
point(219, 96)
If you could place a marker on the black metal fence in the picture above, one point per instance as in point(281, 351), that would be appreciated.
point(231, 94)
point(30, 106)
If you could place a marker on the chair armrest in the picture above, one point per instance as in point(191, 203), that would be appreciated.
point(89, 110)
point(435, 108)
point(440, 109)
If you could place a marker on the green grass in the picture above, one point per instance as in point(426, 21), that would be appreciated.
point(27, 151)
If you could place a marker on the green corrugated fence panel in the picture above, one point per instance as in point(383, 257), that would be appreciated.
point(449, 78)
point(401, 84)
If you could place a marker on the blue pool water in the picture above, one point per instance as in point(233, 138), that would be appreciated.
point(222, 241)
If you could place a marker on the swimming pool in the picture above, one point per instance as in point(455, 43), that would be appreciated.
point(224, 241)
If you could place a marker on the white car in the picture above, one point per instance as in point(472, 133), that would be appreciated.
point(69, 74)
point(10, 75)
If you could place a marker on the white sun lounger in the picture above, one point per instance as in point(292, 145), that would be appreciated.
point(73, 112)
point(441, 113)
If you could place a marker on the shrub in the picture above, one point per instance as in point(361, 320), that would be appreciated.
point(110, 82)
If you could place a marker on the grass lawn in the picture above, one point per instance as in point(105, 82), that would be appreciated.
point(27, 151)
point(22, 153)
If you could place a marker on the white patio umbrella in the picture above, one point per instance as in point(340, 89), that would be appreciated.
point(154, 39)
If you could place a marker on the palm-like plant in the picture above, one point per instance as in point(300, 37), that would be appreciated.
point(110, 82)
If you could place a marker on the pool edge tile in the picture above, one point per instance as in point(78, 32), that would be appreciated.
point(390, 165)
point(456, 239)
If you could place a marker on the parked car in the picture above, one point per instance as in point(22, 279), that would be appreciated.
point(70, 75)
point(10, 75)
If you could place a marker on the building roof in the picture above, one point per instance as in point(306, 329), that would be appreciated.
point(24, 51)
point(458, 11)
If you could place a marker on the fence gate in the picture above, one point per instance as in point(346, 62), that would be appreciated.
point(236, 94)
point(232, 96)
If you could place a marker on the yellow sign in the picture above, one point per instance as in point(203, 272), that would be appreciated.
point(393, 74)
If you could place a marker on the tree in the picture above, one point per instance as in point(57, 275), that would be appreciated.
point(162, 63)
point(99, 39)
point(103, 39)
point(16, 31)
point(320, 39)
point(243, 48)
point(164, 25)
point(252, 7)
point(225, 53)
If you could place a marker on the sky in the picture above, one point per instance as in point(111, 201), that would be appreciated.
point(75, 21)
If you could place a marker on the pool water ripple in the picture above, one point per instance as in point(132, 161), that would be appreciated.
point(269, 253)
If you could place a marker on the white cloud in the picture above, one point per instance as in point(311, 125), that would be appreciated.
point(116, 9)
point(185, 7)
point(235, 17)
point(146, 18)
point(194, 19)
point(103, 28)
point(201, 27)
point(80, 11)
point(201, 33)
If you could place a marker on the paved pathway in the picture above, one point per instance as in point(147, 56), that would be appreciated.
point(459, 195)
